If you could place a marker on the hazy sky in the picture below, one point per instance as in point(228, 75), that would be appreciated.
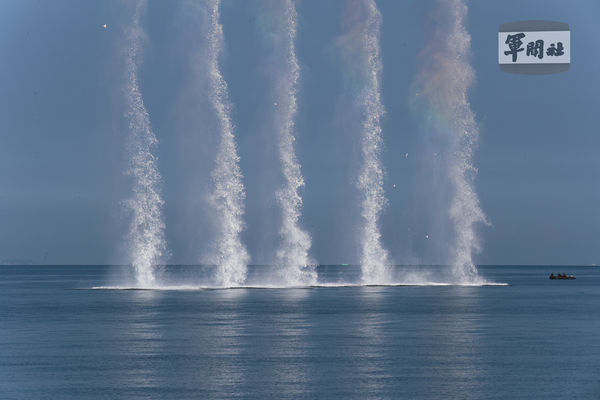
point(62, 132)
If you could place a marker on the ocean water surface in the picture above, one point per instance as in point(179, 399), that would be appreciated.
point(535, 338)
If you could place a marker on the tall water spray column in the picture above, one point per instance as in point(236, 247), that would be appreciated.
point(146, 232)
point(444, 78)
point(228, 194)
point(374, 257)
point(292, 256)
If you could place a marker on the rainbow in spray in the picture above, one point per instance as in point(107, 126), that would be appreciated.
point(441, 88)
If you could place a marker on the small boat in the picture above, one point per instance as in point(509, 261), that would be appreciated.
point(561, 276)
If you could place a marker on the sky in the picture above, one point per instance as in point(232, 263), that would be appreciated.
point(63, 131)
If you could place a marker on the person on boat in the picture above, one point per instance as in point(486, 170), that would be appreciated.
point(552, 275)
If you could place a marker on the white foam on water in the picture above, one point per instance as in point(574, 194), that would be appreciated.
point(317, 286)
point(146, 232)
point(374, 258)
point(293, 260)
point(228, 195)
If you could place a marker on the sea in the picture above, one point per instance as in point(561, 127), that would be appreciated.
point(69, 332)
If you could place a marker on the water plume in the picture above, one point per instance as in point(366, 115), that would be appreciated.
point(146, 232)
point(441, 88)
point(227, 197)
point(293, 260)
point(374, 257)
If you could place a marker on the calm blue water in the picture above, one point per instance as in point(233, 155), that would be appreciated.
point(533, 339)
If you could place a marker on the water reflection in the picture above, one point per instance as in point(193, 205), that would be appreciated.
point(373, 350)
point(274, 340)
point(531, 339)
point(135, 335)
point(219, 342)
point(360, 342)
point(453, 345)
